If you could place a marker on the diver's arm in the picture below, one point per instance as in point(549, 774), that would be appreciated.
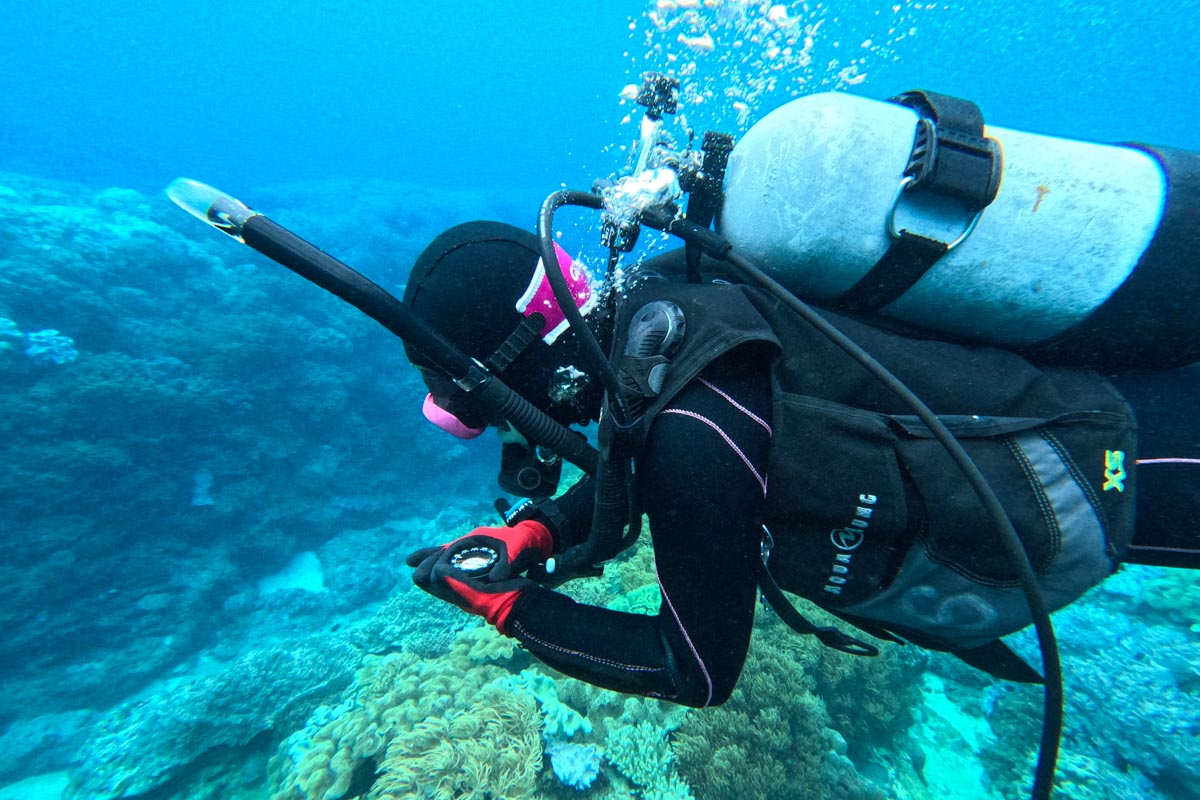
point(704, 505)
point(569, 516)
point(612, 649)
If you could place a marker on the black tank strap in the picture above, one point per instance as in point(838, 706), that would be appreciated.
point(909, 257)
point(950, 156)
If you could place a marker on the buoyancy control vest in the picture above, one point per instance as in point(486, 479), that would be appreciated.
point(1084, 256)
point(870, 517)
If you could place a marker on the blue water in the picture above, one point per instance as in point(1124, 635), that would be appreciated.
point(211, 472)
point(492, 94)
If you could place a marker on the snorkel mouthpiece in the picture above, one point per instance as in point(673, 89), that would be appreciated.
point(447, 421)
point(225, 213)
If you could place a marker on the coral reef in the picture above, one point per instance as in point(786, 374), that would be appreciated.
point(142, 744)
point(491, 749)
point(397, 708)
point(215, 408)
point(43, 744)
point(642, 753)
point(776, 736)
point(186, 434)
point(575, 765)
point(1170, 595)
point(50, 347)
point(869, 700)
point(562, 721)
point(398, 731)
point(1132, 708)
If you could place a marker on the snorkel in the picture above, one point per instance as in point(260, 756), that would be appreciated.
point(650, 197)
point(232, 217)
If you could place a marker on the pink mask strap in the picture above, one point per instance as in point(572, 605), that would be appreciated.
point(540, 297)
point(447, 421)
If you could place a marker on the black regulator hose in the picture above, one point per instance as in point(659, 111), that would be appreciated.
point(1052, 719)
point(616, 498)
point(536, 426)
point(597, 358)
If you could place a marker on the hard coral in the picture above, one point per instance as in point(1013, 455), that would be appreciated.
point(142, 744)
point(869, 700)
point(1174, 594)
point(643, 754)
point(575, 765)
point(562, 721)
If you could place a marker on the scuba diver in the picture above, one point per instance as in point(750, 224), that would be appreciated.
point(760, 420)
point(956, 441)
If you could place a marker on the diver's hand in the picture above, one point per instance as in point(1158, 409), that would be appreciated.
point(481, 572)
point(494, 601)
point(497, 553)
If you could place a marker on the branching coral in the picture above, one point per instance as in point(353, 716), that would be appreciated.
point(869, 700)
point(643, 754)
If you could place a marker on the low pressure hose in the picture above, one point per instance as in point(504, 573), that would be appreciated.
point(597, 359)
point(615, 502)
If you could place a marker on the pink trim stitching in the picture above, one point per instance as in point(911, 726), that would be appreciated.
point(739, 406)
point(686, 638)
point(567, 651)
point(732, 445)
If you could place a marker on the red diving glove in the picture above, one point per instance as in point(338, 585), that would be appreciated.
point(481, 572)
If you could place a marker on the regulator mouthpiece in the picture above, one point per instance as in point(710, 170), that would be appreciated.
point(226, 214)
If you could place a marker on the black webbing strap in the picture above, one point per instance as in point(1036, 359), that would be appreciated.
point(830, 637)
point(902, 265)
point(526, 333)
point(995, 657)
point(950, 156)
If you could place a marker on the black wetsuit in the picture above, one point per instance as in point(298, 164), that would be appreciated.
point(702, 484)
point(704, 500)
point(1167, 408)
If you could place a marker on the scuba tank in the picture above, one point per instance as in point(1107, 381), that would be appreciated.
point(1070, 252)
